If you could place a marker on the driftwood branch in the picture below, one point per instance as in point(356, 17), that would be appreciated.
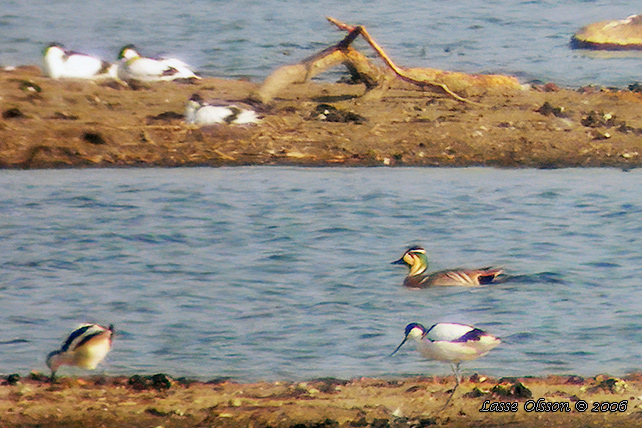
point(406, 75)
point(341, 53)
point(372, 75)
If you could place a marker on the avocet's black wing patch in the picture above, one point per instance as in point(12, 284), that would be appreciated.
point(473, 335)
point(73, 336)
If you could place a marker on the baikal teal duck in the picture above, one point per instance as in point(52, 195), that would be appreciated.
point(417, 260)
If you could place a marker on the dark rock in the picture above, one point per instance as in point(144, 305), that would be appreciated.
point(63, 116)
point(635, 87)
point(547, 109)
point(158, 381)
point(380, 423)
point(167, 116)
point(575, 380)
point(593, 120)
point(94, 138)
point(13, 113)
point(362, 422)
point(161, 381)
point(328, 423)
point(12, 379)
point(515, 390)
point(29, 86)
point(329, 113)
point(475, 393)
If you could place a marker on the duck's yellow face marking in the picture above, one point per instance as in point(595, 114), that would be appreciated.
point(416, 259)
point(411, 257)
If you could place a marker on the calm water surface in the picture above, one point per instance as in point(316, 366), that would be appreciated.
point(251, 38)
point(284, 273)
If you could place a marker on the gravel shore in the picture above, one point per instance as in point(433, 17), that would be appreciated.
point(63, 124)
point(155, 401)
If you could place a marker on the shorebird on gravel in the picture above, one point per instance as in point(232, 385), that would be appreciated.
point(85, 347)
point(417, 260)
point(133, 66)
point(198, 112)
point(60, 63)
point(450, 342)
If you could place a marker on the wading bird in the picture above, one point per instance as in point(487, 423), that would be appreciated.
point(85, 347)
point(417, 260)
point(451, 343)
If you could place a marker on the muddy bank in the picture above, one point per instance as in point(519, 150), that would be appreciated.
point(414, 402)
point(58, 124)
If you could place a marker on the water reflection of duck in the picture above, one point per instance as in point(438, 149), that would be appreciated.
point(417, 260)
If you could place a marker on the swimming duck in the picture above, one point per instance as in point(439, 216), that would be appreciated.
point(132, 66)
point(61, 63)
point(199, 112)
point(415, 258)
point(450, 342)
point(85, 347)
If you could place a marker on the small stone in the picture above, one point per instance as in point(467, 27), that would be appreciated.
point(13, 113)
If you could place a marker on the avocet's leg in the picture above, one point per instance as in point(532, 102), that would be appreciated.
point(457, 373)
point(458, 380)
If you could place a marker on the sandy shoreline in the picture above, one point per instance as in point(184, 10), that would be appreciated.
point(63, 124)
point(366, 402)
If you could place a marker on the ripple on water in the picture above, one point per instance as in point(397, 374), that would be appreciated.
point(268, 273)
